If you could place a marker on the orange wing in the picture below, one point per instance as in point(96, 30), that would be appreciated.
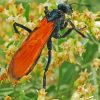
point(26, 56)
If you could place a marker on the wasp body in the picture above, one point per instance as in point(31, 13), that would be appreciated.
point(28, 54)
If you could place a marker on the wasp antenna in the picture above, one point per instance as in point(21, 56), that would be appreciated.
point(81, 4)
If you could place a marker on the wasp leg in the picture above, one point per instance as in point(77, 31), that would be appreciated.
point(64, 25)
point(77, 30)
point(19, 25)
point(82, 28)
point(58, 35)
point(49, 46)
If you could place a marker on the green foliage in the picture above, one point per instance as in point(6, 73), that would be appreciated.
point(27, 10)
point(90, 52)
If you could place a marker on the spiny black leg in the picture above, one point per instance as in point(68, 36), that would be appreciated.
point(77, 30)
point(64, 25)
point(19, 25)
point(82, 28)
point(49, 46)
point(58, 36)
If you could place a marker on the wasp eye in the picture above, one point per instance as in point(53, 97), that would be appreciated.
point(62, 7)
point(65, 8)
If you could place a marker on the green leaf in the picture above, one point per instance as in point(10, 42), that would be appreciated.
point(1, 41)
point(2, 54)
point(67, 74)
point(40, 1)
point(5, 91)
point(27, 10)
point(91, 50)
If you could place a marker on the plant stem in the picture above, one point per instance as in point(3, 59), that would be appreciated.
point(95, 82)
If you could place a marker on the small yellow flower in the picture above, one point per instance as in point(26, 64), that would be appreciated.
point(41, 8)
point(6, 12)
point(75, 96)
point(20, 9)
point(31, 16)
point(28, 77)
point(9, 53)
point(83, 77)
point(7, 98)
point(75, 15)
point(10, 19)
point(41, 94)
point(84, 92)
point(1, 8)
point(80, 48)
point(96, 63)
point(4, 76)
point(11, 1)
point(89, 15)
point(23, 32)
point(72, 48)
point(89, 18)
point(90, 88)
point(96, 32)
point(30, 25)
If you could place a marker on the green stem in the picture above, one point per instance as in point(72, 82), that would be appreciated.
point(95, 82)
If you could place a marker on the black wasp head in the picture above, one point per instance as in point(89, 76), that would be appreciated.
point(66, 8)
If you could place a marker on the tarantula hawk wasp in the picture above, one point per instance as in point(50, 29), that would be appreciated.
point(28, 54)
